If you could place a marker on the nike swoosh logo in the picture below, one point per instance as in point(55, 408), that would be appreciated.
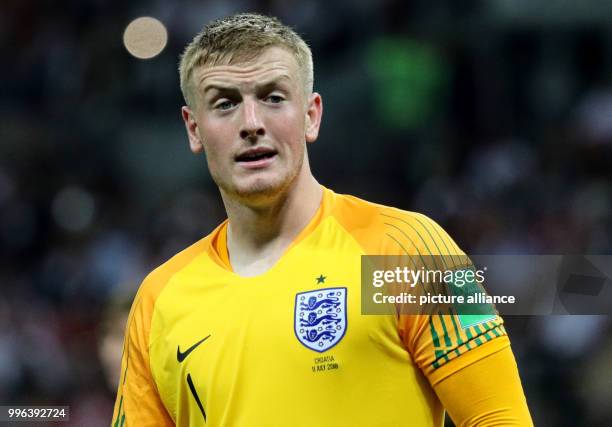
point(181, 356)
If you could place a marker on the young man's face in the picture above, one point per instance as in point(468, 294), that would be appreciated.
point(253, 120)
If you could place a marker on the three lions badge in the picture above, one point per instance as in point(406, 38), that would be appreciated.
point(320, 318)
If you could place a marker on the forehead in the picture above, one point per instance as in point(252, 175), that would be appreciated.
point(272, 64)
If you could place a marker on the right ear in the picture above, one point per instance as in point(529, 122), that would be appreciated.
point(193, 131)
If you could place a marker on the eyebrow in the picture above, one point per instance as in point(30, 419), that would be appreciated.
point(258, 87)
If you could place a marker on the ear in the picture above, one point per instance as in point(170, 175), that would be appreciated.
point(193, 131)
point(314, 113)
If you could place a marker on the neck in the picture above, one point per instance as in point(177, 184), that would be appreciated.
point(258, 234)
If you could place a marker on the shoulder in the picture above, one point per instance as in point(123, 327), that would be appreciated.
point(157, 279)
point(381, 229)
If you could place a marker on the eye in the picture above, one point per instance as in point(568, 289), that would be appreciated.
point(274, 99)
point(225, 105)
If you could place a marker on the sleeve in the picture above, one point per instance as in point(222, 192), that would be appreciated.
point(486, 393)
point(138, 402)
point(460, 353)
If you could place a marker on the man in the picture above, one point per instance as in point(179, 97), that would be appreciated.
point(259, 323)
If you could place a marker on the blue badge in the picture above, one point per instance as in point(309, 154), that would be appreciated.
point(320, 318)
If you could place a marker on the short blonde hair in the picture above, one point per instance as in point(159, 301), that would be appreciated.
point(237, 38)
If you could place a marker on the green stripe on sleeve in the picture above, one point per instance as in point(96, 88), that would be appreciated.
point(434, 334)
point(447, 339)
point(119, 414)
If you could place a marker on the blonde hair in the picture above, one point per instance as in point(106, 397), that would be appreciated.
point(237, 38)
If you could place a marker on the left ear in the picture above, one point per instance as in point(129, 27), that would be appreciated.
point(314, 113)
point(193, 131)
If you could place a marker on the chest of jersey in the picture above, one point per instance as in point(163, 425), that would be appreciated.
point(290, 344)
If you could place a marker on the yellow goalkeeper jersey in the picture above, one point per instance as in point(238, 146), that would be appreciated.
point(290, 347)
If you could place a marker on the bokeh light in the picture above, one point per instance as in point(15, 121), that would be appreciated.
point(73, 209)
point(145, 37)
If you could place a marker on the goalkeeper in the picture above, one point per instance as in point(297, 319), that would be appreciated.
point(259, 323)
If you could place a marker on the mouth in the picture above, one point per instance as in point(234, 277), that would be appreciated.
point(256, 156)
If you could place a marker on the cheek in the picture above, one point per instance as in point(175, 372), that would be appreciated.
point(289, 129)
point(216, 141)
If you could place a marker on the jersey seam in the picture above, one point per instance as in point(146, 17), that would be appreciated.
point(363, 252)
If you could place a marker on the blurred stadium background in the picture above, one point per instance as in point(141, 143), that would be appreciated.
point(492, 117)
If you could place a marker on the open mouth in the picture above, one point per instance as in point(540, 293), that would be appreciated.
point(255, 155)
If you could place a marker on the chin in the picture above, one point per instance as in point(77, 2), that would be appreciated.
point(261, 189)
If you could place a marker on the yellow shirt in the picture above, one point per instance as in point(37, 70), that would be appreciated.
point(205, 346)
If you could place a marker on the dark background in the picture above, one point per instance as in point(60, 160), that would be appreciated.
point(492, 117)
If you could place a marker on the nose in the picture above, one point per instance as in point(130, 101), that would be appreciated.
point(252, 124)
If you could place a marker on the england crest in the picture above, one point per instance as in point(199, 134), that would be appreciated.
point(320, 318)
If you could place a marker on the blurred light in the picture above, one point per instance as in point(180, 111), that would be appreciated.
point(410, 77)
point(73, 209)
point(145, 37)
